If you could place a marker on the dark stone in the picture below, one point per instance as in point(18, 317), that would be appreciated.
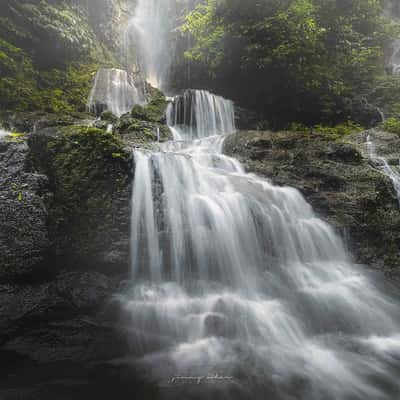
point(340, 181)
point(364, 113)
point(90, 176)
point(246, 119)
point(58, 320)
point(345, 153)
point(24, 239)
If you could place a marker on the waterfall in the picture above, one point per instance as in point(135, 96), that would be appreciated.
point(3, 133)
point(392, 172)
point(114, 90)
point(147, 32)
point(198, 114)
point(395, 58)
point(237, 285)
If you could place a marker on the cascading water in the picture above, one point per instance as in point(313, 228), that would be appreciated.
point(240, 290)
point(148, 32)
point(393, 172)
point(114, 90)
point(198, 114)
point(3, 133)
point(395, 58)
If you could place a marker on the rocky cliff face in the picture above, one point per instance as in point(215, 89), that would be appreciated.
point(340, 181)
point(24, 239)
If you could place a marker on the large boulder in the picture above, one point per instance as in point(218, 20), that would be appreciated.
point(90, 175)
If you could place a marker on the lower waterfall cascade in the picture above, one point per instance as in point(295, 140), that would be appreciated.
point(237, 282)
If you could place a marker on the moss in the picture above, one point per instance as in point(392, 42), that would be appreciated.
point(86, 167)
point(154, 111)
point(329, 132)
point(109, 117)
point(142, 131)
point(338, 131)
point(392, 125)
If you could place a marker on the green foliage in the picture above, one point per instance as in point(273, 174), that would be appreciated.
point(392, 125)
point(18, 86)
point(48, 56)
point(337, 131)
point(67, 90)
point(154, 111)
point(88, 169)
point(108, 116)
point(81, 158)
point(302, 60)
point(330, 132)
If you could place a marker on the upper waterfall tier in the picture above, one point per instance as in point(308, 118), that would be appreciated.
point(198, 114)
point(114, 90)
point(147, 32)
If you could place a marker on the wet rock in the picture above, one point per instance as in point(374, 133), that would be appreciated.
point(364, 113)
point(90, 175)
point(24, 239)
point(109, 117)
point(138, 132)
point(28, 122)
point(345, 153)
point(58, 320)
point(339, 180)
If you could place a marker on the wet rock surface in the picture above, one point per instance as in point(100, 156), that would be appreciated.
point(339, 180)
point(24, 239)
point(58, 322)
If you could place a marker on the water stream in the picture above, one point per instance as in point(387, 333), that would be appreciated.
point(393, 172)
point(238, 283)
point(238, 289)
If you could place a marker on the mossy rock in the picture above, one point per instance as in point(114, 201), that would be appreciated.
point(90, 172)
point(392, 125)
point(154, 111)
point(142, 131)
point(109, 117)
